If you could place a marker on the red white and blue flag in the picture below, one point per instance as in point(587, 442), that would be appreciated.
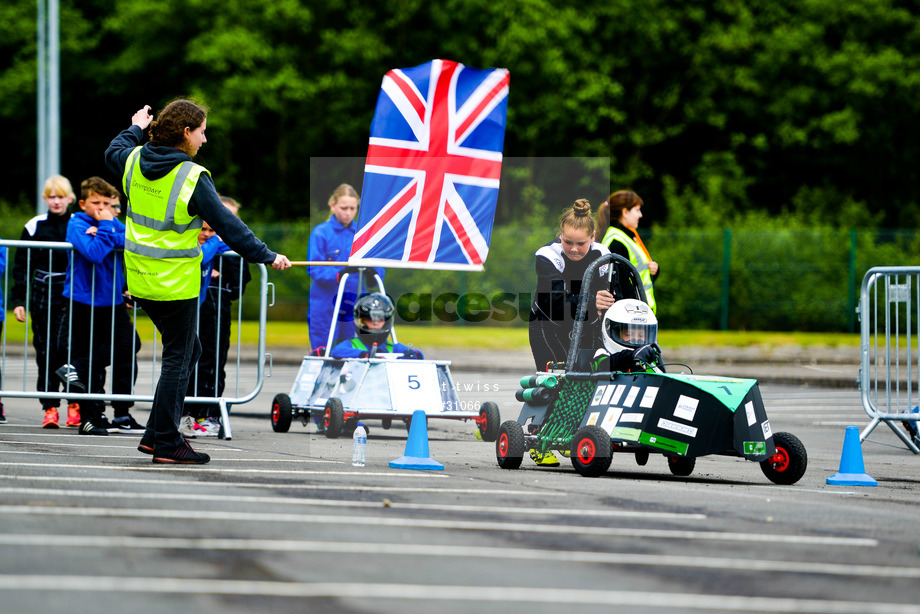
point(433, 168)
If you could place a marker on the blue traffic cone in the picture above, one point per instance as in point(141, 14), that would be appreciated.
point(852, 471)
point(417, 456)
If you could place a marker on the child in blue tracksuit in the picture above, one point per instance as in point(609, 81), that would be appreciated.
point(95, 283)
point(373, 315)
point(331, 242)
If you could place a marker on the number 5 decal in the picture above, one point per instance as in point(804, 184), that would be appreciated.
point(414, 383)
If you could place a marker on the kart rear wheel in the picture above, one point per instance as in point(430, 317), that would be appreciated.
point(509, 445)
point(681, 465)
point(333, 418)
point(788, 465)
point(591, 451)
point(490, 421)
point(282, 413)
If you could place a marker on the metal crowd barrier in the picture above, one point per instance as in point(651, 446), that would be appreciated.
point(19, 372)
point(889, 308)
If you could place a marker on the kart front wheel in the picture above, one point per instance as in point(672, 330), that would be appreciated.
point(489, 421)
point(591, 451)
point(333, 418)
point(788, 465)
point(282, 413)
point(509, 445)
point(681, 465)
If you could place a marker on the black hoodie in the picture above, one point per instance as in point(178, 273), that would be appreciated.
point(158, 161)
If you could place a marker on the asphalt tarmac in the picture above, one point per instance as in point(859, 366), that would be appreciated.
point(283, 522)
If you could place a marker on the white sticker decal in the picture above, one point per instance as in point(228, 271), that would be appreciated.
point(632, 417)
point(677, 427)
point(598, 394)
point(610, 420)
point(749, 409)
point(648, 399)
point(607, 394)
point(592, 418)
point(616, 396)
point(767, 431)
point(631, 396)
point(686, 408)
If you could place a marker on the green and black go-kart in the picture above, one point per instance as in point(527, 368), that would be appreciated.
point(589, 416)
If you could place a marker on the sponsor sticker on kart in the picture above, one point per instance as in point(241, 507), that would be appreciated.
point(767, 431)
point(610, 420)
point(755, 447)
point(749, 409)
point(592, 418)
point(631, 396)
point(677, 427)
point(599, 394)
point(648, 399)
point(617, 394)
point(632, 417)
point(686, 408)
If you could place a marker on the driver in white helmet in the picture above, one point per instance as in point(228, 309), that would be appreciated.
point(630, 333)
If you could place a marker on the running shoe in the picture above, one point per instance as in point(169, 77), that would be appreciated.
point(207, 427)
point(128, 425)
point(73, 414)
point(68, 376)
point(544, 459)
point(103, 423)
point(51, 419)
point(146, 445)
point(88, 428)
point(180, 455)
point(187, 426)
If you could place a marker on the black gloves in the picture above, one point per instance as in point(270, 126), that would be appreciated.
point(647, 354)
point(412, 354)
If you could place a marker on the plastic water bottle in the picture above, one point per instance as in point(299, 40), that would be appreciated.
point(359, 446)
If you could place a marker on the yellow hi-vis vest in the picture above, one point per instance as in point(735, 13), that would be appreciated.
point(162, 255)
point(638, 259)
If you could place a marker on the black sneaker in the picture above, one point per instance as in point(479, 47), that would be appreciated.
point(68, 376)
point(88, 428)
point(2, 415)
point(180, 455)
point(127, 424)
point(103, 423)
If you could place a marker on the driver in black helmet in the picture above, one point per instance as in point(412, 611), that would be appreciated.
point(373, 322)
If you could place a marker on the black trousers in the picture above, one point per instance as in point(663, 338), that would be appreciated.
point(48, 316)
point(175, 321)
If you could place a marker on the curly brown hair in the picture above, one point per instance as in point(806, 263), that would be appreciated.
point(169, 127)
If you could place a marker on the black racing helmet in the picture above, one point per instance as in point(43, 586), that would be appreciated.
point(374, 307)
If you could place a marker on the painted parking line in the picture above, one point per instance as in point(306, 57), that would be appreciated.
point(477, 509)
point(205, 469)
point(448, 551)
point(471, 593)
point(288, 486)
point(305, 459)
point(426, 523)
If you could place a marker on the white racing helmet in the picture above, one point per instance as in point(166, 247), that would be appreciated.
point(629, 324)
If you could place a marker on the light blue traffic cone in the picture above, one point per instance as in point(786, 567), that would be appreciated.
point(852, 471)
point(417, 456)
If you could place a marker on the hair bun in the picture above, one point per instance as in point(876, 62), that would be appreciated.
point(582, 208)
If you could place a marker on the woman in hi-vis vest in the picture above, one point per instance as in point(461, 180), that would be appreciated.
point(168, 196)
point(622, 213)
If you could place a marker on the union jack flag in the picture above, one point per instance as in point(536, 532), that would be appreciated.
point(433, 166)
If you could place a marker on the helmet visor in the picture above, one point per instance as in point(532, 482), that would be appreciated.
point(632, 335)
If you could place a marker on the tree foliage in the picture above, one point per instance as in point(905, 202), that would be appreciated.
point(709, 109)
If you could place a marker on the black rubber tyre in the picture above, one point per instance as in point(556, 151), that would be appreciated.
point(681, 465)
point(591, 451)
point(333, 418)
point(282, 413)
point(509, 445)
point(788, 465)
point(489, 427)
point(387, 422)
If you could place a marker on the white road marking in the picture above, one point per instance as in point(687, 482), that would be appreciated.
point(287, 486)
point(205, 469)
point(135, 456)
point(426, 523)
point(477, 593)
point(540, 511)
point(441, 550)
